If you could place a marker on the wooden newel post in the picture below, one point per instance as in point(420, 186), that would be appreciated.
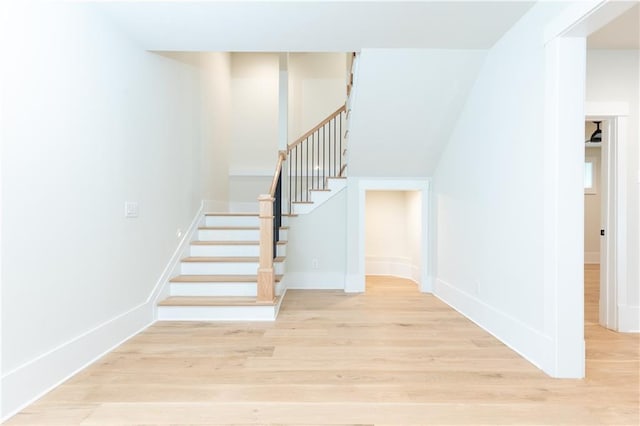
point(266, 278)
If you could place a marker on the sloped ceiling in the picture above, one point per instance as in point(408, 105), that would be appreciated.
point(406, 104)
point(307, 26)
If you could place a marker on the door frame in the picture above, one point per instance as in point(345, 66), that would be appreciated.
point(355, 282)
point(613, 254)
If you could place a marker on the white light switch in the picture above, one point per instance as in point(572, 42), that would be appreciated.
point(130, 209)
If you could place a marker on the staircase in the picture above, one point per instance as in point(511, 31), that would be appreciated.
point(235, 264)
point(218, 279)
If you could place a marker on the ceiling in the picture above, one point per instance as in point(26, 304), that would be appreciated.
point(313, 25)
point(621, 33)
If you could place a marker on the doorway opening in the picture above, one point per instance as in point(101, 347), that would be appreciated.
point(595, 211)
point(393, 238)
point(605, 223)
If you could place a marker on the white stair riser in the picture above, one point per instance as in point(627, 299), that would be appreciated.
point(320, 197)
point(231, 250)
point(225, 268)
point(213, 289)
point(217, 313)
point(303, 208)
point(234, 234)
point(232, 221)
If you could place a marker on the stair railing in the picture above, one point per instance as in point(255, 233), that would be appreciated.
point(270, 213)
point(316, 156)
point(312, 158)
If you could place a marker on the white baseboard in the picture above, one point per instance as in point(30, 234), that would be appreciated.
point(392, 266)
point(533, 345)
point(161, 289)
point(314, 281)
point(592, 257)
point(30, 381)
point(629, 319)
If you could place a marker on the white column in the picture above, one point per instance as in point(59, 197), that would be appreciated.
point(283, 102)
point(564, 206)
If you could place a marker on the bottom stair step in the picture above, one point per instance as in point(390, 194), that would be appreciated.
point(213, 301)
point(193, 308)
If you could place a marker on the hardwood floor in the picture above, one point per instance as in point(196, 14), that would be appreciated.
point(389, 356)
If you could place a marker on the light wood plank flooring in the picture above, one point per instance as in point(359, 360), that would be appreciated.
point(390, 356)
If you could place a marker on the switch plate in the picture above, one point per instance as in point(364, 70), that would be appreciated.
point(131, 209)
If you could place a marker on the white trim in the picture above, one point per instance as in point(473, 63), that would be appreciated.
point(314, 280)
point(30, 381)
point(161, 289)
point(592, 257)
point(602, 110)
point(614, 286)
point(521, 338)
point(392, 266)
point(582, 18)
point(563, 188)
point(629, 318)
point(355, 280)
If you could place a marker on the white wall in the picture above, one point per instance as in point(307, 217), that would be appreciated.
point(613, 76)
point(317, 87)
point(90, 121)
point(254, 111)
point(407, 103)
point(318, 236)
point(490, 204)
point(592, 210)
point(254, 127)
point(392, 234)
point(216, 124)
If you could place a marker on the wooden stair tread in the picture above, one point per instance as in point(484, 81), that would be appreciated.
point(231, 214)
point(303, 202)
point(231, 243)
point(218, 278)
point(214, 301)
point(234, 228)
point(319, 190)
point(235, 259)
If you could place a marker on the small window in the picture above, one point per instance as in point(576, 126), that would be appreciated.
point(590, 175)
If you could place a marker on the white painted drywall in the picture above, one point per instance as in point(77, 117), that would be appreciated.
point(408, 102)
point(318, 238)
point(392, 233)
point(613, 75)
point(254, 112)
point(254, 127)
point(490, 210)
point(592, 212)
point(216, 125)
point(90, 120)
point(317, 87)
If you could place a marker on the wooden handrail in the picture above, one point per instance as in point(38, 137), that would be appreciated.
point(316, 128)
point(282, 157)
